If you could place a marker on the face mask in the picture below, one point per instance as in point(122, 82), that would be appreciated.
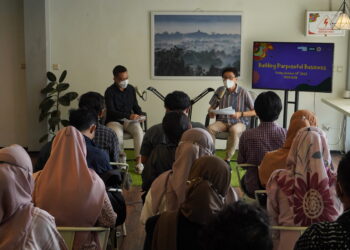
point(124, 84)
point(228, 83)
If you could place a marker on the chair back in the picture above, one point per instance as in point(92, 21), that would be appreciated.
point(68, 234)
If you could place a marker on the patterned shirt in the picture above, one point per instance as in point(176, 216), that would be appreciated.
point(254, 143)
point(240, 100)
point(327, 235)
point(106, 139)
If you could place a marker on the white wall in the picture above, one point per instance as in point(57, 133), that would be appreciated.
point(13, 125)
point(90, 37)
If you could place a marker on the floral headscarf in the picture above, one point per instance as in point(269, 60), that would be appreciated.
point(309, 180)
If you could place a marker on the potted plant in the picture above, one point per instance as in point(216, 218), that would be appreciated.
point(50, 106)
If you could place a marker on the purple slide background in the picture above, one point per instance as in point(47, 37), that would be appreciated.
point(287, 53)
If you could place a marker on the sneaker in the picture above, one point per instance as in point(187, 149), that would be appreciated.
point(139, 168)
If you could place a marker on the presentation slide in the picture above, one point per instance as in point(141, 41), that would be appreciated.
point(293, 66)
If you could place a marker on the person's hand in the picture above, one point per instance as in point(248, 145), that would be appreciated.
point(236, 115)
point(134, 117)
point(211, 114)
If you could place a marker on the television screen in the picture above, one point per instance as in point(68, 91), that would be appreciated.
point(293, 66)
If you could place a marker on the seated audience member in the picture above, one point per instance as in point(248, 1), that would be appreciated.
point(208, 183)
point(85, 121)
point(268, 136)
point(22, 226)
point(74, 194)
point(332, 235)
point(174, 124)
point(238, 226)
point(231, 95)
point(167, 191)
point(277, 159)
point(105, 138)
point(174, 101)
point(122, 104)
point(303, 193)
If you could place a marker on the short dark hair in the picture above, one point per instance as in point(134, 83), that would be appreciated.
point(268, 106)
point(343, 174)
point(82, 119)
point(177, 100)
point(174, 124)
point(238, 226)
point(230, 69)
point(92, 101)
point(119, 69)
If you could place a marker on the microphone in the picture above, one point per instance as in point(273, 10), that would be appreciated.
point(221, 92)
point(139, 94)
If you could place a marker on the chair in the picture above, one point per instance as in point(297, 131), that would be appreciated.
point(301, 230)
point(68, 234)
point(244, 167)
point(123, 167)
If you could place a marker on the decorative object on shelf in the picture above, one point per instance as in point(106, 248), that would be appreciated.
point(50, 106)
point(320, 23)
point(342, 21)
point(192, 45)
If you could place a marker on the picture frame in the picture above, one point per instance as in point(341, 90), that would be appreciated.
point(320, 23)
point(194, 45)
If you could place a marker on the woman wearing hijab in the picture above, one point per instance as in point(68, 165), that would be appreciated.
point(277, 159)
point(70, 191)
point(22, 226)
point(303, 193)
point(208, 184)
point(168, 190)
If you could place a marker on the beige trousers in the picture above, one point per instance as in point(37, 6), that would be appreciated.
point(234, 131)
point(133, 128)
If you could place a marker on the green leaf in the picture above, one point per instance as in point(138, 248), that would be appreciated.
point(51, 76)
point(43, 102)
point(49, 88)
point(71, 95)
point(63, 76)
point(62, 86)
point(65, 123)
point(53, 122)
point(44, 138)
point(46, 106)
point(64, 100)
point(42, 116)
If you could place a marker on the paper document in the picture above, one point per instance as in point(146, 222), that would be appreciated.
point(140, 119)
point(225, 111)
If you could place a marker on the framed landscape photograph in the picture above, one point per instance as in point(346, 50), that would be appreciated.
point(193, 45)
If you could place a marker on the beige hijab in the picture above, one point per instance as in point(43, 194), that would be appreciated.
point(194, 143)
point(208, 184)
point(16, 207)
point(67, 188)
point(277, 159)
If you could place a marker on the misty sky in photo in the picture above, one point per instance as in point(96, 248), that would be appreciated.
point(228, 24)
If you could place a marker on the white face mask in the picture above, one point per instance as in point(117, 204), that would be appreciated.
point(229, 83)
point(124, 84)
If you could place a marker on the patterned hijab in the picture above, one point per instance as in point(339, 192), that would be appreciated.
point(67, 188)
point(309, 180)
point(16, 186)
point(194, 143)
point(208, 184)
point(277, 159)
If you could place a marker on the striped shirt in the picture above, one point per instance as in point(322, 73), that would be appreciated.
point(240, 100)
point(327, 235)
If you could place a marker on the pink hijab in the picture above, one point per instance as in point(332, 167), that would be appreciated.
point(309, 180)
point(67, 188)
point(194, 143)
point(16, 186)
